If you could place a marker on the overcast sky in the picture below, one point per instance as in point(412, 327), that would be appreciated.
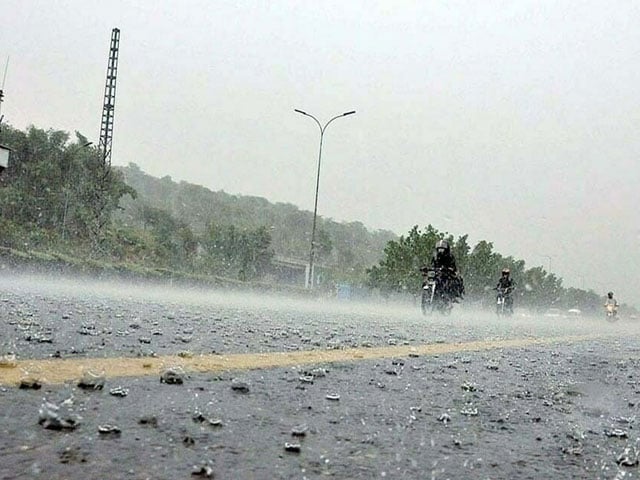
point(514, 121)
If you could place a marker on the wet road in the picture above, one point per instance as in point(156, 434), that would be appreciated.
point(267, 387)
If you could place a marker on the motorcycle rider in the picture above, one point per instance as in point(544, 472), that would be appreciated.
point(611, 302)
point(445, 261)
point(506, 286)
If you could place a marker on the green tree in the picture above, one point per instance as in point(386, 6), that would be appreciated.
point(482, 269)
point(242, 254)
point(542, 290)
point(323, 245)
point(399, 269)
point(50, 184)
point(481, 266)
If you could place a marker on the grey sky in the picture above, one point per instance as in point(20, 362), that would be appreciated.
point(512, 121)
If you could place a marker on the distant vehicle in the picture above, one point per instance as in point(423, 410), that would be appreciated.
point(611, 312)
point(504, 301)
point(574, 312)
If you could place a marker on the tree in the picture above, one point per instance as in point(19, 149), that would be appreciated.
point(323, 245)
point(50, 184)
point(542, 290)
point(481, 266)
point(103, 187)
point(482, 269)
point(399, 270)
point(242, 254)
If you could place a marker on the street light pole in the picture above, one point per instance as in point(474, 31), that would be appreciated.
point(315, 204)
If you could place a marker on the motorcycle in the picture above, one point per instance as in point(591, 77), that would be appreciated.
point(504, 302)
point(435, 294)
point(611, 312)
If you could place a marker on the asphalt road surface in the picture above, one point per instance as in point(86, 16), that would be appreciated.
point(103, 380)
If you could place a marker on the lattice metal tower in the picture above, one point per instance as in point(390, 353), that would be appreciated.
point(106, 127)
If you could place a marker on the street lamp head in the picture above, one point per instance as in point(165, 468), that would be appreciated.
point(300, 111)
point(348, 113)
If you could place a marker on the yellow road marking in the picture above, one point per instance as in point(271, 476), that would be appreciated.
point(55, 371)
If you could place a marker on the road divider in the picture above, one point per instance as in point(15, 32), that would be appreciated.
point(57, 371)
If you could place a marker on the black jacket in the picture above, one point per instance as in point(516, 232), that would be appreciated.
point(505, 283)
point(444, 260)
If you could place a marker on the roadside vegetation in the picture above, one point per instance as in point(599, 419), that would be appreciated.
point(536, 290)
point(51, 201)
point(58, 206)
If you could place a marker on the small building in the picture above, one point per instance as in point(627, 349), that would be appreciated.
point(291, 271)
point(4, 157)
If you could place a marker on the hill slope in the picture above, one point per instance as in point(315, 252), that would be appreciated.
point(349, 247)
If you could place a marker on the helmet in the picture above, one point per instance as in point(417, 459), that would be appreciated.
point(506, 271)
point(442, 245)
point(610, 294)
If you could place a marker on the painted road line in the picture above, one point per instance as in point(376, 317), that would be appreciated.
point(56, 371)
